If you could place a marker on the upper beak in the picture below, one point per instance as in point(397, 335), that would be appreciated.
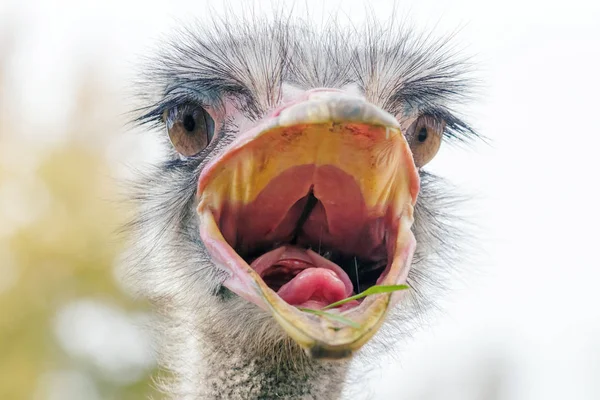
point(325, 131)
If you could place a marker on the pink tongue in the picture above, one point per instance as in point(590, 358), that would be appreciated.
point(317, 286)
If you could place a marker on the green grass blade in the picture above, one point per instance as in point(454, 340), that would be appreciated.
point(370, 291)
point(333, 316)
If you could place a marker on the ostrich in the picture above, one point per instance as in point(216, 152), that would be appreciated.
point(293, 178)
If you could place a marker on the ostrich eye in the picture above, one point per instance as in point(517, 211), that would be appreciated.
point(425, 138)
point(190, 128)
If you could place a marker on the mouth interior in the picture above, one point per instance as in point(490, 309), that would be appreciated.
point(310, 237)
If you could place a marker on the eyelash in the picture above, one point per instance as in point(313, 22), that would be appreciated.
point(455, 129)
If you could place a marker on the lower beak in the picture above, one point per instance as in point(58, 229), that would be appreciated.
point(352, 158)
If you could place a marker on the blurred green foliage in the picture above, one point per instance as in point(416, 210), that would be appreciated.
point(58, 220)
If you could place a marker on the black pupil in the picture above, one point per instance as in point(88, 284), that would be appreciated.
point(422, 135)
point(189, 123)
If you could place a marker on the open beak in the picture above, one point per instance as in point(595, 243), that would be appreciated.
point(310, 207)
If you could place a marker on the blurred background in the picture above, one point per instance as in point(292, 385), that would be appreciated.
point(523, 318)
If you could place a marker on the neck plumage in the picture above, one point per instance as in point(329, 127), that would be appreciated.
point(246, 375)
point(210, 365)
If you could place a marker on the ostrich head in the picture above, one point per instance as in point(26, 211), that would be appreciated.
point(293, 179)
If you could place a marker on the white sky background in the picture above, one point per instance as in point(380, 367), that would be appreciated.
point(528, 316)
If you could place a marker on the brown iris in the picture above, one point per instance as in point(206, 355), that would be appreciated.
point(190, 129)
point(425, 138)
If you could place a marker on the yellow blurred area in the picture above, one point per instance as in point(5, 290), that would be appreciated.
point(58, 247)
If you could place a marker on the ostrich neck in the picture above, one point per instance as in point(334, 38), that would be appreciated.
point(218, 367)
point(245, 376)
